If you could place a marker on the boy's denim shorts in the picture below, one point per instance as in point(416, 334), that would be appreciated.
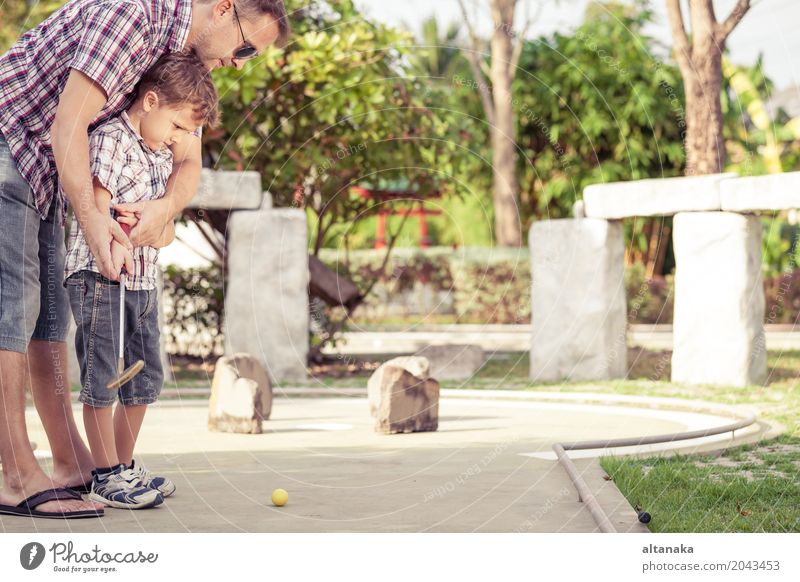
point(33, 301)
point(95, 305)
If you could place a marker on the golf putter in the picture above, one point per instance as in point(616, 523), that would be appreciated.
point(123, 376)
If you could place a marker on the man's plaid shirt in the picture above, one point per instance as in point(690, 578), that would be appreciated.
point(132, 172)
point(113, 42)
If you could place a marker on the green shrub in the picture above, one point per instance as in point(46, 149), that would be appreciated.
point(193, 301)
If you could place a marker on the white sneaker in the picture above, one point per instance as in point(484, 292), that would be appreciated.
point(161, 484)
point(123, 490)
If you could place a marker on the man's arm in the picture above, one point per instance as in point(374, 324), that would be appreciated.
point(185, 178)
point(155, 215)
point(79, 103)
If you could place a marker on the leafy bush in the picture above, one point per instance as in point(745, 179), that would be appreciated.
point(493, 287)
point(782, 294)
point(649, 300)
point(193, 301)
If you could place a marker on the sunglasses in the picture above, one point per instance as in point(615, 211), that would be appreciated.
point(247, 50)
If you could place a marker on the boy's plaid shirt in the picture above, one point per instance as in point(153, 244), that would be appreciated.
point(113, 42)
point(132, 172)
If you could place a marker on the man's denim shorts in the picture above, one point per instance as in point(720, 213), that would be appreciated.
point(33, 301)
point(95, 305)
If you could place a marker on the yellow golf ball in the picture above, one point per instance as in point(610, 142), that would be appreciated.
point(280, 497)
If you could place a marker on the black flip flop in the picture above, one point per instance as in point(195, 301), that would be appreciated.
point(26, 508)
point(84, 489)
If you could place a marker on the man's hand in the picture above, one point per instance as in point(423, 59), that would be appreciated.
point(167, 236)
point(151, 217)
point(101, 231)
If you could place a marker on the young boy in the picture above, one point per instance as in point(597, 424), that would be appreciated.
point(130, 161)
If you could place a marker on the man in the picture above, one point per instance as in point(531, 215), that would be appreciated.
point(61, 79)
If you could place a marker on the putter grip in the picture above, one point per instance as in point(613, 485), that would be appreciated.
point(126, 228)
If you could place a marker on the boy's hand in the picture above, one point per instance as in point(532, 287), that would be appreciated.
point(121, 256)
point(127, 217)
point(153, 216)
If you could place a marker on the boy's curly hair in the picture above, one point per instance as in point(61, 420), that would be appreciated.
point(182, 78)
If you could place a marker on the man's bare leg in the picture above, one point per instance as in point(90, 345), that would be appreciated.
point(47, 366)
point(22, 475)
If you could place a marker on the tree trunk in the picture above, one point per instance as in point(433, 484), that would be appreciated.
point(705, 146)
point(700, 62)
point(505, 188)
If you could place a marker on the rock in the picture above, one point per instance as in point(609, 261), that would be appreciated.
point(407, 403)
point(773, 192)
point(414, 365)
point(266, 297)
point(718, 329)
point(241, 395)
point(657, 197)
point(578, 309)
point(453, 362)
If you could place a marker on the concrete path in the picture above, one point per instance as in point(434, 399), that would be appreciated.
point(487, 469)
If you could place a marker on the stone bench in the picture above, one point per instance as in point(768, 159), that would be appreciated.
point(579, 304)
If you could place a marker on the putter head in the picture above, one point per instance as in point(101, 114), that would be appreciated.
point(126, 376)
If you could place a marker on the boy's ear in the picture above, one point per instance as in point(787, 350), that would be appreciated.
point(150, 100)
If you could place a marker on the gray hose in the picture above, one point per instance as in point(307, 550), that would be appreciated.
point(585, 494)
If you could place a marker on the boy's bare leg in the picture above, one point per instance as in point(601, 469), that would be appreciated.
point(99, 423)
point(47, 366)
point(22, 475)
point(127, 423)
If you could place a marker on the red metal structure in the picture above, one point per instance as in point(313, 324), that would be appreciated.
point(417, 209)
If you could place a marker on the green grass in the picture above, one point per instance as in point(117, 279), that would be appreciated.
point(752, 488)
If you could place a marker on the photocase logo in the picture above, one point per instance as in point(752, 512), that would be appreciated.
point(31, 555)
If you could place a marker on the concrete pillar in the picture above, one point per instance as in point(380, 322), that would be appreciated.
point(578, 300)
point(266, 295)
point(718, 326)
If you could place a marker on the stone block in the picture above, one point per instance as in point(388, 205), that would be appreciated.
point(578, 306)
point(754, 193)
point(656, 197)
point(414, 365)
point(241, 395)
point(407, 403)
point(266, 297)
point(718, 325)
point(224, 190)
point(453, 361)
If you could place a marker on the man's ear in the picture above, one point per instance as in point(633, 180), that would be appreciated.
point(222, 7)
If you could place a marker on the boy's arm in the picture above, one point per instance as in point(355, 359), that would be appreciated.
point(102, 197)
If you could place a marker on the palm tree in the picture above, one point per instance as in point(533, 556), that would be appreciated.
point(439, 57)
